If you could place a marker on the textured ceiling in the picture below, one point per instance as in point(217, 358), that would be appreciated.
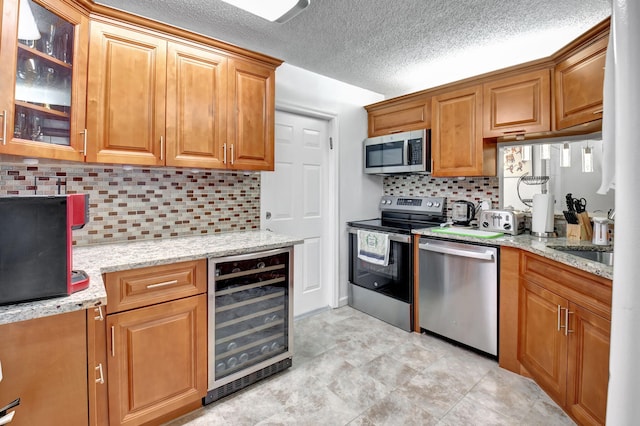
point(392, 47)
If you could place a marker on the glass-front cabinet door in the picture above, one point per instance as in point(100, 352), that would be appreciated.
point(43, 73)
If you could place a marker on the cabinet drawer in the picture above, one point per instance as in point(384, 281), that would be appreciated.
point(583, 288)
point(146, 286)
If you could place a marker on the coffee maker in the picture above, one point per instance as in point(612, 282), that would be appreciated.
point(36, 246)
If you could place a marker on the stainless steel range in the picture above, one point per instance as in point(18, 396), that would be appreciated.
point(383, 287)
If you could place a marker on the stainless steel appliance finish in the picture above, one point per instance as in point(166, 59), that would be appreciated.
point(383, 292)
point(250, 317)
point(386, 292)
point(507, 221)
point(463, 212)
point(388, 309)
point(406, 152)
point(459, 292)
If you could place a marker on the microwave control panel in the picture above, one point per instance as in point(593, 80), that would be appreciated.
point(415, 151)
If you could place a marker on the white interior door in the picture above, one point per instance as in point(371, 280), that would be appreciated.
point(294, 202)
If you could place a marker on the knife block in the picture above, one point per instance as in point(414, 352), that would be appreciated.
point(583, 231)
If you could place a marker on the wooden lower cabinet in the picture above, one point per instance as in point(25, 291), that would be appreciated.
point(564, 335)
point(97, 367)
point(588, 366)
point(44, 363)
point(542, 345)
point(156, 361)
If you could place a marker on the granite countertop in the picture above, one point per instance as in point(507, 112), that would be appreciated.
point(540, 246)
point(98, 259)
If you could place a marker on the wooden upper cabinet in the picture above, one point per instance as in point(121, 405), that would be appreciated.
point(155, 101)
point(579, 82)
point(126, 96)
point(457, 146)
point(43, 84)
point(196, 106)
point(402, 117)
point(250, 128)
point(517, 105)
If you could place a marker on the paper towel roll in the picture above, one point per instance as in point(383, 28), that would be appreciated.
point(542, 215)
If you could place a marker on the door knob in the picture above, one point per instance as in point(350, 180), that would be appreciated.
point(268, 215)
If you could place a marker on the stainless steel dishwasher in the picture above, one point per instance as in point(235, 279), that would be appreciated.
point(459, 292)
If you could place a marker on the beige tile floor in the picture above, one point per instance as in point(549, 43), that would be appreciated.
point(352, 369)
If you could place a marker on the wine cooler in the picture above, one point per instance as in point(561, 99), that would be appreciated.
point(250, 316)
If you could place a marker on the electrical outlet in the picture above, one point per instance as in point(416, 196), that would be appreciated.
point(485, 204)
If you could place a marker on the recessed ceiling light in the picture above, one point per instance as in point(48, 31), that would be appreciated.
point(274, 10)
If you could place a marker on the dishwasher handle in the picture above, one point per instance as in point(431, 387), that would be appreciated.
point(486, 255)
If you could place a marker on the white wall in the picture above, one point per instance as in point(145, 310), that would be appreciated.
point(624, 370)
point(358, 194)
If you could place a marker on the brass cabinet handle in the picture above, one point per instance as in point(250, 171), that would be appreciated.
point(164, 284)
point(100, 316)
point(4, 127)
point(100, 379)
point(566, 322)
point(113, 341)
point(84, 142)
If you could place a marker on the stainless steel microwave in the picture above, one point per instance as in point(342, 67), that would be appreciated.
point(406, 152)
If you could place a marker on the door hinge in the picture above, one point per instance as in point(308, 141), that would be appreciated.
point(330, 143)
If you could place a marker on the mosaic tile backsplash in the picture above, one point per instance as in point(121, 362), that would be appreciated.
point(472, 189)
point(144, 203)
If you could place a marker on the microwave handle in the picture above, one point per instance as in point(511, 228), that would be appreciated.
point(407, 152)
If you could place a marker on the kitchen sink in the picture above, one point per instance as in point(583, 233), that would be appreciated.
point(605, 257)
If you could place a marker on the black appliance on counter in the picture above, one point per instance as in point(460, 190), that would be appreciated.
point(386, 291)
point(35, 246)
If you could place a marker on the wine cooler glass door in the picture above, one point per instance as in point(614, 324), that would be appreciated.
point(251, 315)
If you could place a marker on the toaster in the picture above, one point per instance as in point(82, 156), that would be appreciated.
point(507, 221)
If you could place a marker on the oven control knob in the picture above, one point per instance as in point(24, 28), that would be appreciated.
point(429, 204)
point(436, 204)
point(485, 224)
point(507, 226)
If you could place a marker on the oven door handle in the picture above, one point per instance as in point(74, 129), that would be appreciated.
point(398, 238)
point(486, 255)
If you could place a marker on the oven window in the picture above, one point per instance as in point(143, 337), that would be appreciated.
point(385, 154)
point(393, 280)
